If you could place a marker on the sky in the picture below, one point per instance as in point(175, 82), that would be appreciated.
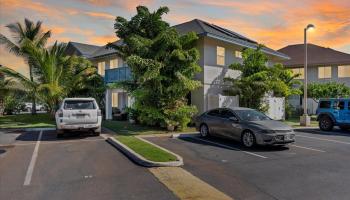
point(274, 23)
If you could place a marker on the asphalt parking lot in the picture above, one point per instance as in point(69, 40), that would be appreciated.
point(317, 166)
point(77, 167)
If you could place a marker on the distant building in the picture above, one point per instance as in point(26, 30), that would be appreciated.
point(324, 65)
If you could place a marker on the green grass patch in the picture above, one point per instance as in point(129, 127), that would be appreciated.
point(125, 128)
point(145, 149)
point(295, 122)
point(27, 121)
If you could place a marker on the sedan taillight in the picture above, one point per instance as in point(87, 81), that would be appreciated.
point(99, 113)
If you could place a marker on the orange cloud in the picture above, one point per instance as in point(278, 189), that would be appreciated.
point(129, 4)
point(101, 40)
point(100, 15)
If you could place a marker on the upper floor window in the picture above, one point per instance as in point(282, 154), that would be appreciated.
point(220, 55)
point(238, 54)
point(344, 71)
point(113, 63)
point(324, 72)
point(101, 68)
point(299, 71)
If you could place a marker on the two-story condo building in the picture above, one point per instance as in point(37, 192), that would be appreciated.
point(324, 65)
point(218, 47)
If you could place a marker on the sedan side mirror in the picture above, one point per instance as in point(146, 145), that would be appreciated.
point(234, 119)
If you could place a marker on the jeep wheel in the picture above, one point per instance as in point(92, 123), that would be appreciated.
point(326, 123)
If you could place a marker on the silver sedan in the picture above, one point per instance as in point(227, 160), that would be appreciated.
point(247, 125)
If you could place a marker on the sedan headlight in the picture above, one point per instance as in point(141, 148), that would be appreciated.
point(266, 131)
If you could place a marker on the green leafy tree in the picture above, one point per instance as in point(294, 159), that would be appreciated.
point(29, 32)
point(163, 65)
point(327, 90)
point(257, 79)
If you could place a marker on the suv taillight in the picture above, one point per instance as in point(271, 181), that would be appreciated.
point(99, 113)
point(60, 113)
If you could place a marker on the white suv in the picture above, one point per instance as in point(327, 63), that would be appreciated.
point(78, 114)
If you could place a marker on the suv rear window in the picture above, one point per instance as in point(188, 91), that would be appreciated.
point(79, 105)
point(325, 104)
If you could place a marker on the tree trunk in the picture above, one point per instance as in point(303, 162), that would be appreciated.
point(33, 97)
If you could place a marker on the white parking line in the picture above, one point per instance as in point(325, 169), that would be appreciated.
point(312, 149)
point(329, 140)
point(229, 147)
point(30, 170)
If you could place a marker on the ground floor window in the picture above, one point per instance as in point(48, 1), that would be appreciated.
point(324, 72)
point(115, 99)
point(344, 71)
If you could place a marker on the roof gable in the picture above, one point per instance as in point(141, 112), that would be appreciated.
point(317, 55)
point(81, 49)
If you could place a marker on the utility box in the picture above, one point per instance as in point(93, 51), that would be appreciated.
point(276, 107)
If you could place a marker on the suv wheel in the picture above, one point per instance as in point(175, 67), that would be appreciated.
point(326, 123)
point(204, 130)
point(248, 139)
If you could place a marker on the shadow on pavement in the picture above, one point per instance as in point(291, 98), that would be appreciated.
point(232, 144)
point(334, 132)
point(52, 136)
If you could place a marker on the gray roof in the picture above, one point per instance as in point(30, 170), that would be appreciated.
point(211, 30)
point(203, 28)
point(317, 55)
point(85, 50)
point(104, 51)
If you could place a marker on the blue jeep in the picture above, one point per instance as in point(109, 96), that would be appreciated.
point(333, 112)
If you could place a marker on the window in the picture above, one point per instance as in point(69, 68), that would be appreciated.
point(299, 71)
point(226, 113)
point(325, 104)
point(113, 63)
point(238, 54)
point(344, 71)
point(324, 72)
point(341, 105)
point(215, 113)
point(101, 68)
point(79, 105)
point(220, 55)
point(114, 99)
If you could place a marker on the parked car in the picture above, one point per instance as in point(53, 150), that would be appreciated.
point(333, 112)
point(39, 107)
point(247, 125)
point(78, 114)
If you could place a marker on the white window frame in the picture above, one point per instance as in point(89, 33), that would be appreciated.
point(299, 70)
point(220, 58)
point(238, 54)
point(101, 66)
point(113, 63)
point(343, 68)
point(322, 72)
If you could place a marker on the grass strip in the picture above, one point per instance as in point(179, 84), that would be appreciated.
point(27, 121)
point(145, 149)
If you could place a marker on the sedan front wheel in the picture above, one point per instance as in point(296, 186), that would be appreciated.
point(248, 139)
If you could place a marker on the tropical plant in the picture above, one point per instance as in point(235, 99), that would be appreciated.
point(26, 32)
point(327, 90)
point(163, 65)
point(257, 80)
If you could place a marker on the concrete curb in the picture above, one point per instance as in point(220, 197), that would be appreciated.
point(40, 129)
point(140, 159)
point(180, 135)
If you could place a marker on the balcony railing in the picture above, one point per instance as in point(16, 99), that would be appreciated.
point(117, 74)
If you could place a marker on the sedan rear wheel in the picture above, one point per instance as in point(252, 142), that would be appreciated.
point(248, 139)
point(204, 130)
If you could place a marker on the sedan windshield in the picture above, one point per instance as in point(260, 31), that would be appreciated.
point(251, 115)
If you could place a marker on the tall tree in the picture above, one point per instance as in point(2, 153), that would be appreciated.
point(32, 32)
point(163, 65)
point(257, 80)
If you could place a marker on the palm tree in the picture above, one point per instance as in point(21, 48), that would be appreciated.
point(33, 33)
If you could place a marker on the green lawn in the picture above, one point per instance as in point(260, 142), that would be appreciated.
point(295, 122)
point(125, 128)
point(26, 121)
point(145, 149)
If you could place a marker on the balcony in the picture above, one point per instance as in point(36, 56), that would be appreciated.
point(117, 74)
